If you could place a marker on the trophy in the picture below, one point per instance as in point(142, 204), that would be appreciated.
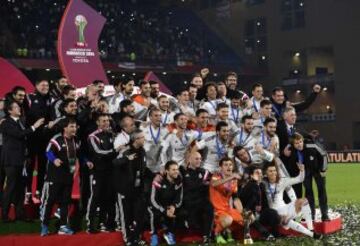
point(80, 23)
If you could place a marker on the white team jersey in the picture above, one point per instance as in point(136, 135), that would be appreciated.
point(215, 151)
point(121, 139)
point(275, 192)
point(258, 158)
point(185, 109)
point(259, 122)
point(248, 140)
point(267, 141)
point(114, 102)
point(233, 128)
point(210, 107)
point(154, 142)
point(255, 104)
point(175, 148)
point(236, 115)
point(167, 118)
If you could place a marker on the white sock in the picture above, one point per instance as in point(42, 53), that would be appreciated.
point(306, 213)
point(299, 228)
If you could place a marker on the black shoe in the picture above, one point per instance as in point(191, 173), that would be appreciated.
point(318, 236)
point(325, 217)
point(91, 230)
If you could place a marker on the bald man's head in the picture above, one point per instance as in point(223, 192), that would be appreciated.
point(195, 160)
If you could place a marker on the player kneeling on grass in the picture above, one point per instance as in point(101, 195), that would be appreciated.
point(224, 186)
point(61, 154)
point(275, 187)
point(166, 199)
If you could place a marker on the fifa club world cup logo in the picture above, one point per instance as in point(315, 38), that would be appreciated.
point(80, 23)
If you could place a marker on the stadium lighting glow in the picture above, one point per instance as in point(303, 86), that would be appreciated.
point(297, 54)
point(258, 41)
point(164, 73)
point(47, 70)
point(328, 107)
point(263, 57)
point(113, 76)
point(298, 91)
point(108, 71)
point(258, 23)
point(325, 89)
point(134, 74)
point(296, 71)
point(301, 4)
point(215, 74)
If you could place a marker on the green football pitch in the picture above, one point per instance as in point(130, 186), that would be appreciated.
point(343, 188)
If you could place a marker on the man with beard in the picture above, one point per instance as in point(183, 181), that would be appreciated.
point(69, 110)
point(245, 136)
point(56, 89)
point(268, 138)
point(129, 178)
point(155, 92)
point(231, 80)
point(279, 101)
point(68, 92)
point(216, 147)
point(166, 200)
point(18, 94)
point(235, 108)
point(167, 116)
point(196, 204)
point(142, 101)
point(61, 153)
point(177, 145)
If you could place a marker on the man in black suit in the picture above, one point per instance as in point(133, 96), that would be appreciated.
point(285, 130)
point(13, 157)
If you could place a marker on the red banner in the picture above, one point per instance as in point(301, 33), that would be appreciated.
point(78, 36)
point(10, 76)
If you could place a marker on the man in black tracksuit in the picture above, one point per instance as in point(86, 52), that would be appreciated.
point(130, 176)
point(101, 154)
point(39, 107)
point(197, 208)
point(315, 160)
point(62, 153)
point(166, 200)
point(253, 198)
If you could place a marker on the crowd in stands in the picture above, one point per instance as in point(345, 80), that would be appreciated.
point(146, 32)
point(212, 158)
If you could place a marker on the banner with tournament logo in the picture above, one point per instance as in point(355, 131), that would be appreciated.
point(78, 36)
